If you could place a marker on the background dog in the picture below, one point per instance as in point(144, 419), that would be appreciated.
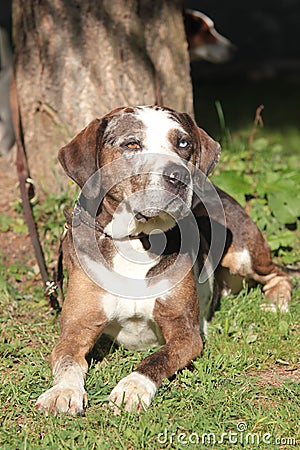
point(204, 40)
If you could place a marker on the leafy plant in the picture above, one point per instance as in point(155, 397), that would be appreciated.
point(9, 223)
point(6, 222)
point(267, 185)
point(49, 218)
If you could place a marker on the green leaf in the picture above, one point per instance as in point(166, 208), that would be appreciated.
point(235, 184)
point(289, 257)
point(235, 181)
point(251, 337)
point(260, 144)
point(20, 226)
point(6, 222)
point(285, 206)
point(283, 238)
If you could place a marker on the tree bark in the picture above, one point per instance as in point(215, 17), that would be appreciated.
point(76, 60)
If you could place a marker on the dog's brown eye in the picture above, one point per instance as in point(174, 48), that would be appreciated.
point(133, 146)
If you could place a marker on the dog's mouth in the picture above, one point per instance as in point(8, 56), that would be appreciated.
point(146, 215)
point(156, 219)
point(150, 221)
point(149, 211)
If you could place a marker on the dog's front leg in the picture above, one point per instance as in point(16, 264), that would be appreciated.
point(180, 327)
point(82, 322)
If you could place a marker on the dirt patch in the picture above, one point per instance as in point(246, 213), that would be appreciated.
point(14, 247)
point(276, 375)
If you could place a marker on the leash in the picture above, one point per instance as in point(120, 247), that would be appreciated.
point(27, 193)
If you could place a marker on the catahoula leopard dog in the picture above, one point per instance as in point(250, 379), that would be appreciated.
point(130, 275)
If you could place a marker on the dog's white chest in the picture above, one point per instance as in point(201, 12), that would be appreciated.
point(131, 259)
point(131, 321)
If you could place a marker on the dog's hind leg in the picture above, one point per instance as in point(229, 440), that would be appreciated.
point(277, 289)
point(254, 263)
point(82, 322)
point(248, 256)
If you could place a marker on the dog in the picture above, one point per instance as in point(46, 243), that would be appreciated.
point(204, 42)
point(131, 275)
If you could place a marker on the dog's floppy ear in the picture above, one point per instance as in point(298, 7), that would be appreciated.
point(79, 157)
point(210, 152)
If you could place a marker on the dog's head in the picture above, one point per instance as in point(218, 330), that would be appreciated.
point(204, 40)
point(147, 157)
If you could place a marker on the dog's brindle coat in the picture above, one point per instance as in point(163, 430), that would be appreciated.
point(172, 319)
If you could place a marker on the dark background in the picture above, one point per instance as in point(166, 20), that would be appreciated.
point(5, 15)
point(265, 69)
point(266, 33)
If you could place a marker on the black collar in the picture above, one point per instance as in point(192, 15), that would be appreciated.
point(80, 216)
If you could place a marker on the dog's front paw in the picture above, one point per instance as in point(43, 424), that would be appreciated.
point(133, 393)
point(63, 399)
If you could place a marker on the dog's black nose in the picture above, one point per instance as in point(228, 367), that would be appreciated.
point(177, 175)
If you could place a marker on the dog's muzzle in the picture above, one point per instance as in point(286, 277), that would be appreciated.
point(168, 192)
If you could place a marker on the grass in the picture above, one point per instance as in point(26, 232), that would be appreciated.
point(243, 392)
point(244, 376)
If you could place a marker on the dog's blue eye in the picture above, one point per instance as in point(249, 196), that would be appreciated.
point(183, 143)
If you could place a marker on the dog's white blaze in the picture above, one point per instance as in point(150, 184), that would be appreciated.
point(157, 126)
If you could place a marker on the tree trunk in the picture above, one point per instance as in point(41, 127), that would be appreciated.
point(76, 60)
